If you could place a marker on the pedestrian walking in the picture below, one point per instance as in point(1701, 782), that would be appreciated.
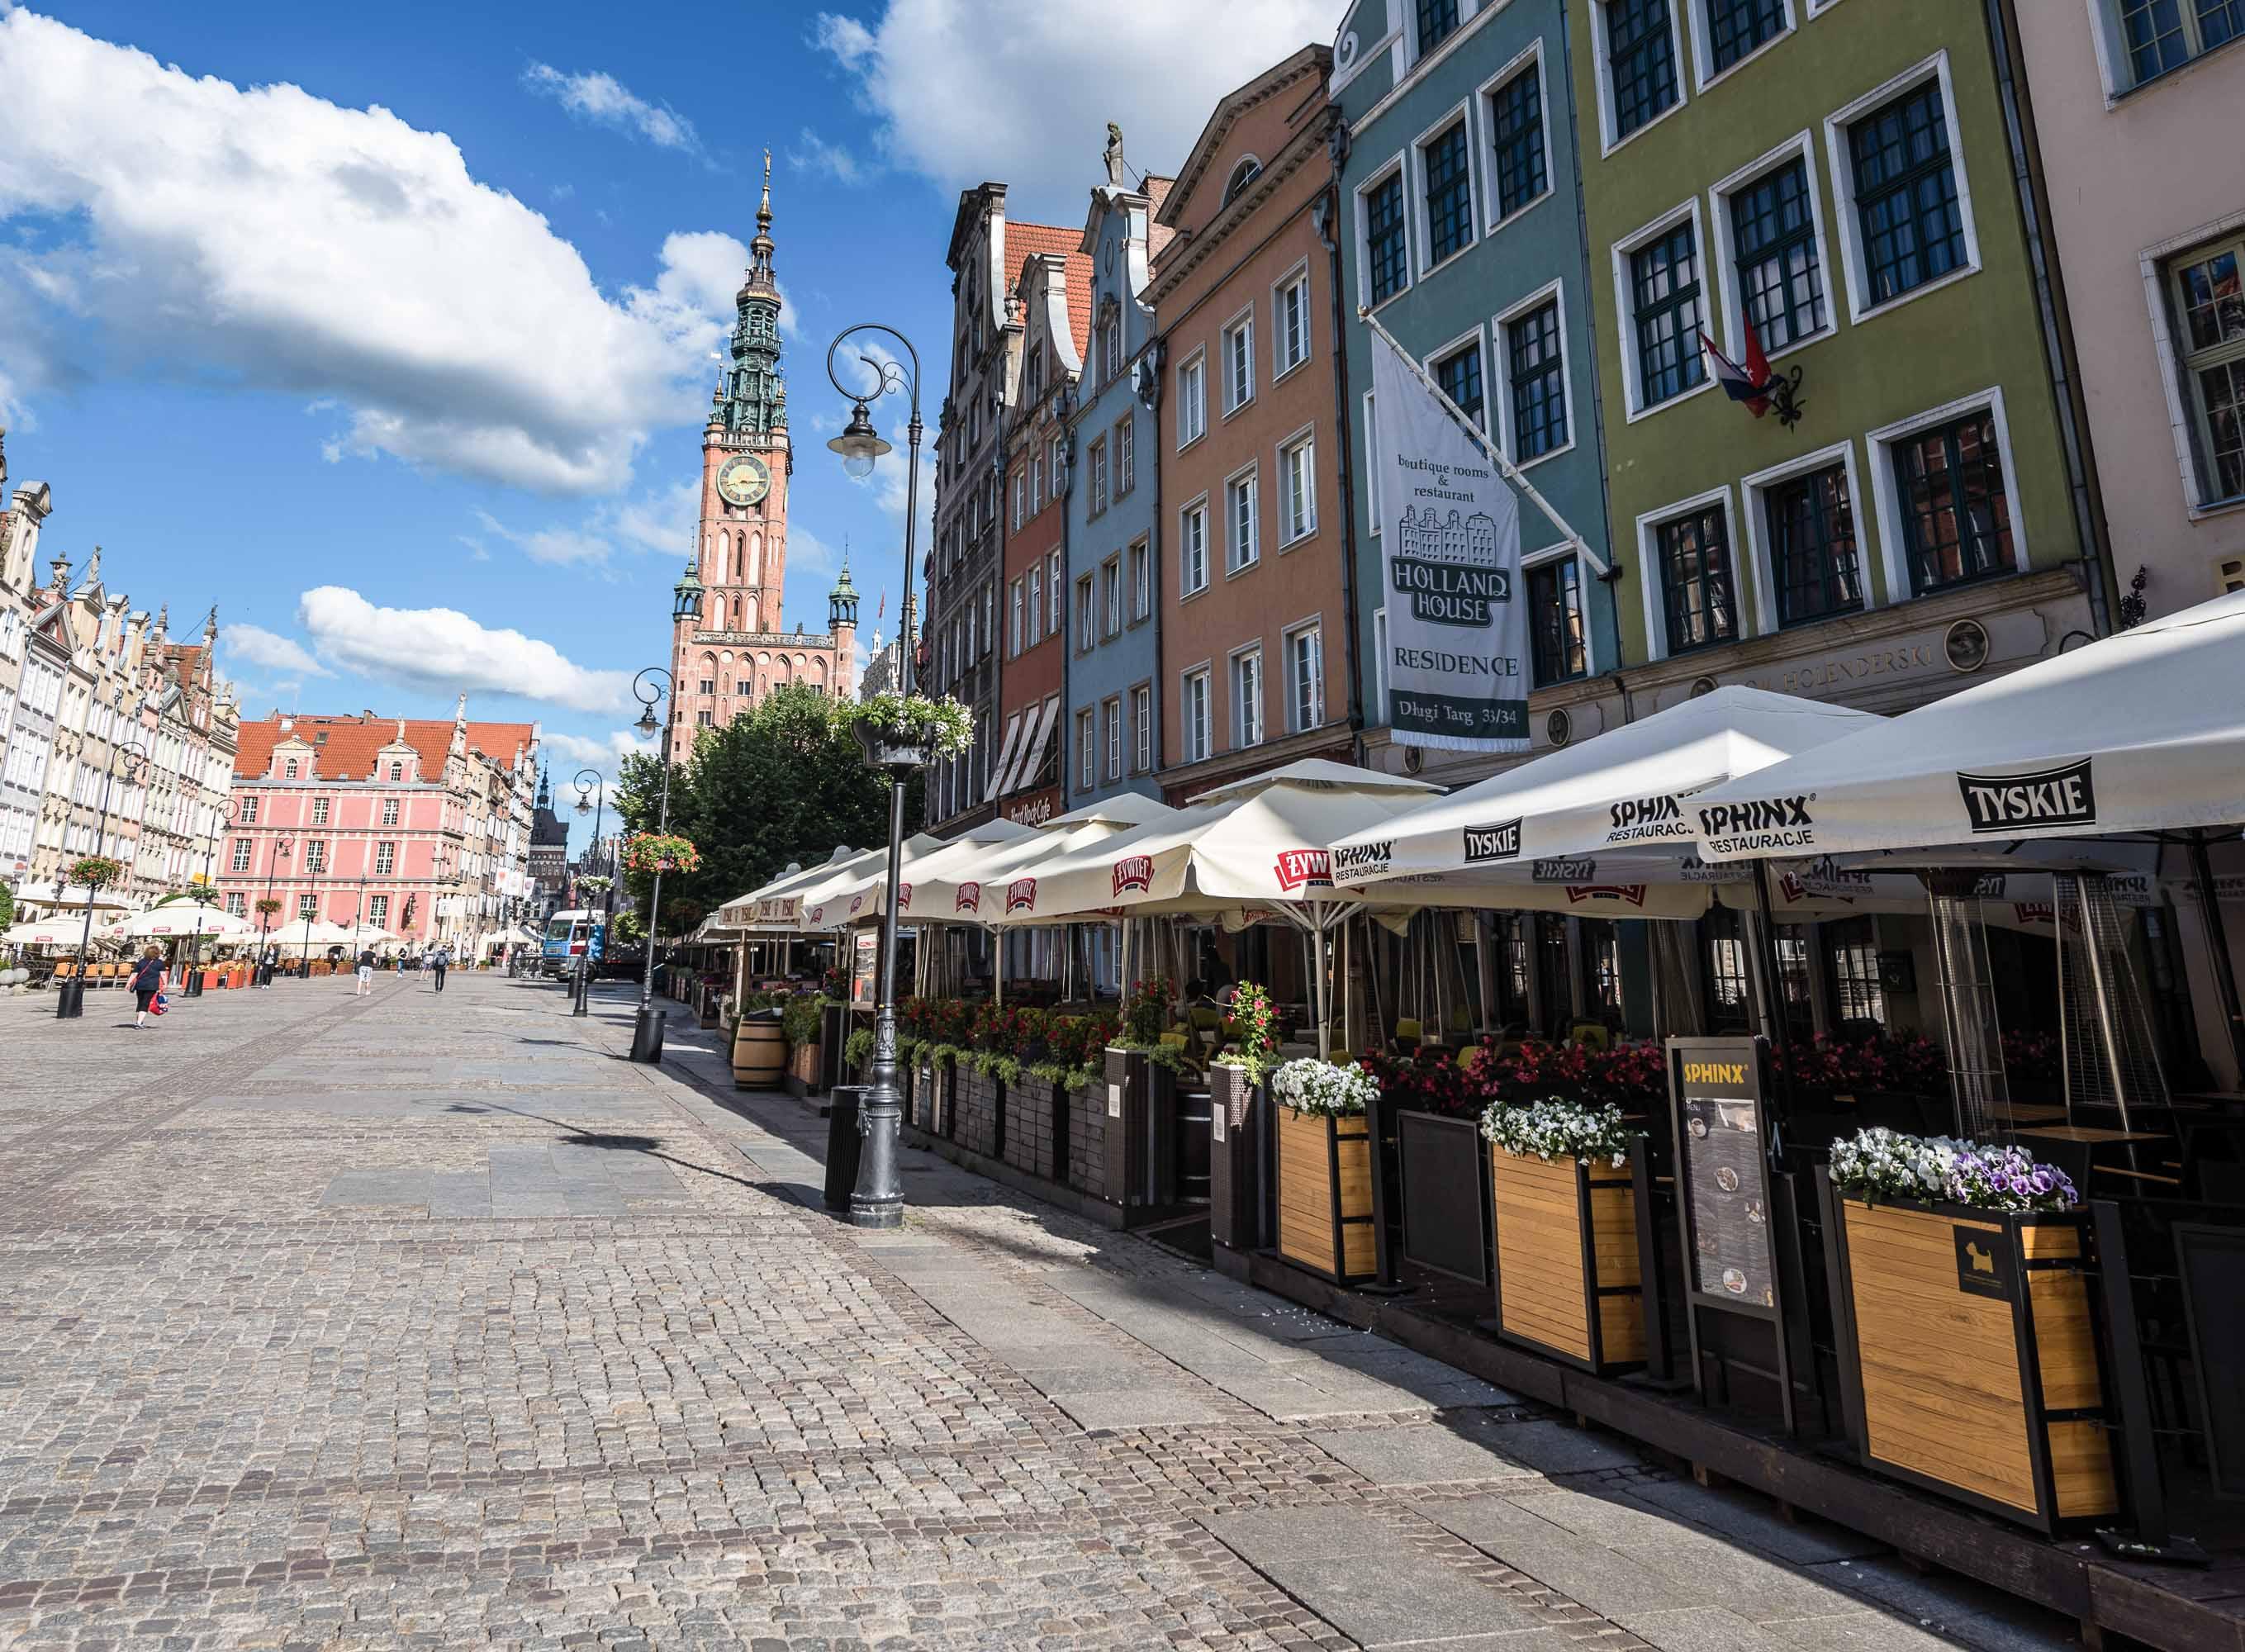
point(148, 982)
point(267, 965)
point(439, 961)
point(365, 972)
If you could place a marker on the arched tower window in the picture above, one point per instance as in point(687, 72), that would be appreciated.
point(756, 559)
point(1242, 175)
point(755, 622)
point(724, 555)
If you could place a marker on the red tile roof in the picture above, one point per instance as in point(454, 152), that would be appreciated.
point(1023, 241)
point(347, 753)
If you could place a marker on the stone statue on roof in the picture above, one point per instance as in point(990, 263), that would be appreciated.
point(1113, 156)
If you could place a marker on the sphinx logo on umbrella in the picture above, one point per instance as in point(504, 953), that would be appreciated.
point(1134, 871)
point(2061, 796)
point(1022, 895)
point(1637, 818)
point(1304, 868)
point(1353, 862)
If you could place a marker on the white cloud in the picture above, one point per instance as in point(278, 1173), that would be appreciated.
point(607, 755)
point(556, 546)
point(659, 521)
point(268, 236)
point(967, 90)
point(259, 647)
point(444, 650)
point(606, 101)
point(818, 157)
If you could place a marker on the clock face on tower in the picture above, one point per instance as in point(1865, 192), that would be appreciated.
point(743, 480)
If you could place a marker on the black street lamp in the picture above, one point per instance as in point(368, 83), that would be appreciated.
point(878, 1200)
point(221, 817)
point(282, 848)
point(71, 1001)
point(590, 784)
point(686, 604)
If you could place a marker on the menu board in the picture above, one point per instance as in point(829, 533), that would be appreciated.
point(865, 960)
point(1722, 1169)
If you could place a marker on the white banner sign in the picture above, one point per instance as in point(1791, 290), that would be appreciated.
point(1449, 555)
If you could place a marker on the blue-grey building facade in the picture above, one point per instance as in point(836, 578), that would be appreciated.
point(1114, 706)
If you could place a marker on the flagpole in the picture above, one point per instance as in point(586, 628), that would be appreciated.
point(1480, 439)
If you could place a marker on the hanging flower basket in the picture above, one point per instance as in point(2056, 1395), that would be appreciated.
point(910, 731)
point(661, 852)
point(268, 906)
point(594, 884)
point(96, 871)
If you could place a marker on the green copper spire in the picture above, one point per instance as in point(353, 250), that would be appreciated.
point(751, 397)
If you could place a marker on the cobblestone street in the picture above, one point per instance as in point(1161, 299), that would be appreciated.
point(430, 1321)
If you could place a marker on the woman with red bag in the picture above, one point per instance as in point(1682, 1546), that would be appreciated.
point(148, 982)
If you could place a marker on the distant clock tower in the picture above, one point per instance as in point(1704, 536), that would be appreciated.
point(739, 647)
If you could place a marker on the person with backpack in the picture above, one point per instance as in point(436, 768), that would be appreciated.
point(439, 961)
point(148, 982)
point(365, 972)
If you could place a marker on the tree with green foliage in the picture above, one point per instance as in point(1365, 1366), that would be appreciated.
point(7, 907)
point(785, 781)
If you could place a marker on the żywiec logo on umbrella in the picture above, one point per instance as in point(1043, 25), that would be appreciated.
point(856, 901)
point(1497, 843)
point(2062, 797)
point(904, 898)
point(1022, 895)
point(1134, 872)
point(1639, 819)
point(1628, 894)
point(1304, 868)
point(968, 899)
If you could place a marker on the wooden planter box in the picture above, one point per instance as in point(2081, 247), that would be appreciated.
point(1082, 1155)
point(977, 1100)
point(1036, 1128)
point(1325, 1195)
point(1567, 1274)
point(1974, 1369)
point(930, 1089)
point(802, 1061)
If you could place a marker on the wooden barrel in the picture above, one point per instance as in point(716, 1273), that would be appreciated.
point(759, 1055)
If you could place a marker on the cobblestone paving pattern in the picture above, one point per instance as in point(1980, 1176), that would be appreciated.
point(432, 1321)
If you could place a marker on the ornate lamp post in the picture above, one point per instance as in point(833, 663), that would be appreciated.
point(590, 784)
point(220, 818)
point(71, 1001)
point(685, 604)
point(878, 1200)
point(282, 848)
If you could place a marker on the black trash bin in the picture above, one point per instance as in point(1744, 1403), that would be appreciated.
point(844, 1143)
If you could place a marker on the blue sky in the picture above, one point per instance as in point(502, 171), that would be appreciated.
point(387, 329)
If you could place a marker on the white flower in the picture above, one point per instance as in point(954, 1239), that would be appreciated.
point(1321, 1089)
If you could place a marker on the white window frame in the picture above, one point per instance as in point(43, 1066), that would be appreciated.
point(1494, 216)
point(1185, 514)
point(1313, 626)
point(1704, 74)
point(2185, 416)
point(1459, 113)
point(1110, 597)
point(1202, 749)
point(1802, 147)
point(2115, 73)
point(1087, 744)
point(1754, 508)
point(1476, 336)
point(1087, 613)
point(1306, 437)
point(1241, 327)
point(1394, 168)
point(1195, 401)
point(1648, 560)
point(1626, 308)
point(1016, 592)
point(1056, 593)
point(1094, 465)
point(1123, 444)
point(1139, 559)
point(1879, 455)
point(1033, 609)
point(1110, 716)
point(1607, 142)
point(1141, 727)
point(1297, 277)
point(1530, 560)
point(1240, 707)
point(1501, 352)
point(1843, 185)
point(1234, 564)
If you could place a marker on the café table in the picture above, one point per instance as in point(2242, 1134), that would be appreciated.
point(2092, 1135)
point(2028, 1113)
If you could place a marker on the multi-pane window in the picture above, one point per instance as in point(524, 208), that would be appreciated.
point(1036, 484)
point(1086, 634)
point(1956, 516)
point(1438, 21)
point(708, 685)
point(1242, 545)
point(1055, 585)
point(1034, 609)
point(1515, 118)
point(241, 863)
point(1015, 592)
point(1555, 612)
point(308, 907)
point(1912, 226)
point(1811, 547)
point(1098, 457)
point(1459, 375)
point(1852, 951)
point(1192, 716)
point(1113, 710)
point(1110, 348)
point(237, 904)
point(2212, 303)
point(2160, 35)
point(1142, 727)
point(1086, 751)
point(1110, 596)
point(1448, 161)
point(1292, 342)
point(1192, 400)
point(1305, 679)
point(1385, 247)
point(1780, 281)
point(250, 810)
point(1142, 582)
point(316, 855)
point(1737, 27)
point(1247, 699)
point(377, 909)
point(1640, 62)
point(390, 811)
point(319, 811)
point(1020, 496)
point(288, 770)
point(1126, 456)
point(1298, 490)
point(1192, 549)
point(1665, 307)
point(1537, 372)
point(1239, 364)
point(1695, 579)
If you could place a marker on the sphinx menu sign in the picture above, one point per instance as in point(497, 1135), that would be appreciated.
point(1449, 557)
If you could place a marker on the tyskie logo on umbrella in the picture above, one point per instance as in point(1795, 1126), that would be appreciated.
point(1304, 868)
point(2065, 796)
point(1353, 862)
point(1022, 895)
point(968, 899)
point(1637, 819)
point(1497, 843)
point(1573, 868)
point(1761, 823)
point(1134, 872)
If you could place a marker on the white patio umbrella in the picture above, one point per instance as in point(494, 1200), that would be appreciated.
point(179, 920)
point(312, 932)
point(69, 899)
point(865, 897)
point(816, 907)
point(45, 932)
point(972, 888)
point(774, 907)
